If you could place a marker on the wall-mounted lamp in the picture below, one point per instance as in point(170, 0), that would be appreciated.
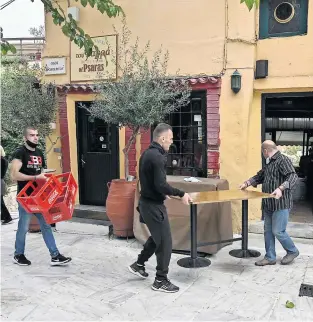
point(236, 81)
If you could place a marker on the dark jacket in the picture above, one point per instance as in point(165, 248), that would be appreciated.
point(152, 175)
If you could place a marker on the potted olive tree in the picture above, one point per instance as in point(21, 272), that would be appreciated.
point(142, 96)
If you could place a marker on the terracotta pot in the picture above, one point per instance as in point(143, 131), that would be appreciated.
point(120, 206)
point(34, 226)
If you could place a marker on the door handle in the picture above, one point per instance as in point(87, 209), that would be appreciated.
point(82, 161)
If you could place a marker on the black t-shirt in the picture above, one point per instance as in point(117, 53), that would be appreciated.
point(32, 163)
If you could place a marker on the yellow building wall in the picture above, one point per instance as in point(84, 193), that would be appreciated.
point(290, 62)
point(195, 41)
point(194, 37)
point(213, 37)
point(52, 142)
point(235, 108)
point(290, 70)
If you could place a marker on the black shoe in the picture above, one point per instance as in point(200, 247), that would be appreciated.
point(7, 221)
point(138, 270)
point(60, 260)
point(164, 286)
point(21, 260)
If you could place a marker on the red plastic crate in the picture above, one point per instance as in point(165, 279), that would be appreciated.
point(39, 196)
point(64, 206)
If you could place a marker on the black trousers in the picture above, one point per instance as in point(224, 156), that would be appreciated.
point(160, 242)
point(5, 214)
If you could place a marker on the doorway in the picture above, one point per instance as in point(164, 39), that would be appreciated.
point(98, 156)
point(287, 119)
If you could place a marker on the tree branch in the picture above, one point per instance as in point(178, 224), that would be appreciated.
point(55, 142)
point(127, 148)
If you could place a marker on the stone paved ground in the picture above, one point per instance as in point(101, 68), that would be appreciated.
point(98, 286)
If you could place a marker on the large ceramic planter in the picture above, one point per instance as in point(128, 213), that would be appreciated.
point(120, 206)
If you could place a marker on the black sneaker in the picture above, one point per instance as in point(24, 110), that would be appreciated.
point(7, 221)
point(138, 270)
point(21, 260)
point(60, 260)
point(164, 286)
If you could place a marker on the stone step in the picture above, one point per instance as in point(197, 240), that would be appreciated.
point(296, 230)
point(96, 213)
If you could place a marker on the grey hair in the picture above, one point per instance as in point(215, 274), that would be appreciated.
point(269, 145)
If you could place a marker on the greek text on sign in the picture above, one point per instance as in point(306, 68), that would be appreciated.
point(55, 66)
point(98, 65)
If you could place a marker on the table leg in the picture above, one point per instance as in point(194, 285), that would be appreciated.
point(244, 252)
point(193, 261)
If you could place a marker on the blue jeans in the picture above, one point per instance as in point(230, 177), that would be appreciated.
point(275, 224)
point(23, 225)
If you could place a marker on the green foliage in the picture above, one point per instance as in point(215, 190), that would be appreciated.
point(69, 25)
point(143, 94)
point(24, 105)
point(250, 3)
point(293, 152)
point(37, 31)
point(6, 47)
point(9, 60)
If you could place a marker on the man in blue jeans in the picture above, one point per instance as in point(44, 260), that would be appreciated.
point(278, 177)
point(27, 164)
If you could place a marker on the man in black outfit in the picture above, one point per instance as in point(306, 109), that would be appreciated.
point(154, 190)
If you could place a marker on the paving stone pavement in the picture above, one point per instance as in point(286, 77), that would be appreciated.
point(98, 286)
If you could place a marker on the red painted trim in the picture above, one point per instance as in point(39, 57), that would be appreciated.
point(213, 91)
point(213, 128)
point(65, 144)
point(145, 139)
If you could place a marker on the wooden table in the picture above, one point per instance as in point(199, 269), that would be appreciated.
point(213, 197)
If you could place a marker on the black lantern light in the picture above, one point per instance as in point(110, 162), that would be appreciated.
point(236, 81)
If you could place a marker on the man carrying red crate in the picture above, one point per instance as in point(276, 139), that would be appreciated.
point(27, 164)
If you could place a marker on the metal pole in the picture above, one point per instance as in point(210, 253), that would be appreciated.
point(244, 243)
point(274, 136)
point(244, 252)
point(193, 261)
point(193, 230)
